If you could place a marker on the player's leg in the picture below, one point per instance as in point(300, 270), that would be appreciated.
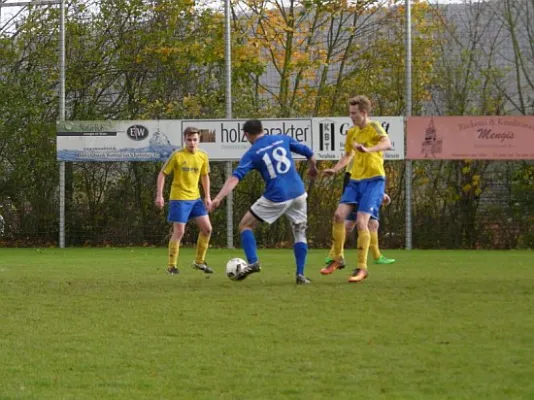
point(374, 247)
point(248, 242)
point(262, 210)
point(178, 214)
point(178, 229)
point(372, 193)
point(200, 214)
point(345, 206)
point(350, 223)
point(297, 214)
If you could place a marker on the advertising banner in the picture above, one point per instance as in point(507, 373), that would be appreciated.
point(478, 138)
point(329, 135)
point(117, 140)
point(224, 139)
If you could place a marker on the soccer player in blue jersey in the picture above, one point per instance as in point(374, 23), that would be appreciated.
point(189, 166)
point(284, 193)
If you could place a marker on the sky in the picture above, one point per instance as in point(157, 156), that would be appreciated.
point(7, 12)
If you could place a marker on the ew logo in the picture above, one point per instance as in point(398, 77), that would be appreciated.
point(137, 132)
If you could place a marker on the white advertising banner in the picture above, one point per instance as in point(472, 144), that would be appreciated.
point(118, 140)
point(224, 139)
point(329, 136)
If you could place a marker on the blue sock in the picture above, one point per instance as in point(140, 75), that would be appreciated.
point(248, 242)
point(301, 251)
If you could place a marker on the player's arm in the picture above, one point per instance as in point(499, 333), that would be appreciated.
point(159, 190)
point(228, 186)
point(341, 164)
point(305, 151)
point(206, 182)
point(245, 165)
point(160, 184)
point(206, 186)
point(384, 144)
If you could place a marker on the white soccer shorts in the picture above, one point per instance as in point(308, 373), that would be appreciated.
point(269, 211)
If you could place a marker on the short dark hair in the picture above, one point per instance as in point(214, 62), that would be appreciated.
point(191, 130)
point(253, 127)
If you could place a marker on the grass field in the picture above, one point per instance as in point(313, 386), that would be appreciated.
point(111, 324)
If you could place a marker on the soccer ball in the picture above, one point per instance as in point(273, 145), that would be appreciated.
point(234, 266)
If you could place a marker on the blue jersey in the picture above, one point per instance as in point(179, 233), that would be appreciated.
point(271, 156)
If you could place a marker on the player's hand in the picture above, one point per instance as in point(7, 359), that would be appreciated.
point(386, 200)
point(214, 204)
point(360, 147)
point(329, 172)
point(207, 203)
point(312, 171)
point(159, 202)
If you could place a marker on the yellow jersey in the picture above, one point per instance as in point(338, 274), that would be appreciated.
point(366, 165)
point(186, 167)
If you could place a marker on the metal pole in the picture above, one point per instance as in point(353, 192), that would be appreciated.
point(228, 64)
point(408, 172)
point(62, 118)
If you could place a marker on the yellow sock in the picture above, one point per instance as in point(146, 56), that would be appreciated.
point(375, 250)
point(203, 242)
point(338, 234)
point(364, 239)
point(332, 253)
point(174, 249)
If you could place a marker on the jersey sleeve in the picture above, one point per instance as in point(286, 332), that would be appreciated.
point(300, 148)
point(168, 167)
point(379, 130)
point(245, 166)
point(205, 170)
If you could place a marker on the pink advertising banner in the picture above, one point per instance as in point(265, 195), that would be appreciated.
point(482, 138)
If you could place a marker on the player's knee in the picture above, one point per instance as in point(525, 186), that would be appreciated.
point(339, 217)
point(206, 230)
point(373, 225)
point(244, 225)
point(299, 231)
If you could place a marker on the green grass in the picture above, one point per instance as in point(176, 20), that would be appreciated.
point(111, 324)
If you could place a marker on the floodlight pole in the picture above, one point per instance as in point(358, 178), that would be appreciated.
point(408, 171)
point(228, 65)
point(61, 98)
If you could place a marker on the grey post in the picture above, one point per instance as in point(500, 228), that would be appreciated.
point(408, 172)
point(228, 64)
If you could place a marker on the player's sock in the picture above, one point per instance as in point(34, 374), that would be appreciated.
point(301, 251)
point(174, 249)
point(332, 253)
point(248, 242)
point(364, 239)
point(338, 234)
point(203, 242)
point(375, 250)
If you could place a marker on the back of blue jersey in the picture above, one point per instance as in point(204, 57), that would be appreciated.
point(271, 156)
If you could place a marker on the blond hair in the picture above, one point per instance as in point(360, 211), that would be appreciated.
point(363, 103)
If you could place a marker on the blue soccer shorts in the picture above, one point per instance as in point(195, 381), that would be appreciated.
point(184, 210)
point(366, 195)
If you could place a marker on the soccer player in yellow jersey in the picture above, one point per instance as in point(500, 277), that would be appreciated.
point(366, 141)
point(189, 166)
point(350, 224)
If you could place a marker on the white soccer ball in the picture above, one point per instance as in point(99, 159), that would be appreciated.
point(234, 266)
